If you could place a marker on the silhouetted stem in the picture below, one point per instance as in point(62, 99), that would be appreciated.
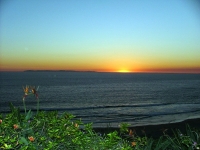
point(24, 106)
point(37, 105)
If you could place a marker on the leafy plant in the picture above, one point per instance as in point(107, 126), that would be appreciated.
point(49, 130)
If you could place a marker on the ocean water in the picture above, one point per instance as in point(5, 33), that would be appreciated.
point(107, 99)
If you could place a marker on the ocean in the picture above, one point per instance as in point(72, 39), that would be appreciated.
point(107, 99)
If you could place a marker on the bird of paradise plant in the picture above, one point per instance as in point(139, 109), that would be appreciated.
point(30, 90)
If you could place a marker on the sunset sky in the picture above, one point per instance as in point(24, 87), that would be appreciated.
point(100, 35)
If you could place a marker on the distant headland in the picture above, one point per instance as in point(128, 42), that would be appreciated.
point(55, 71)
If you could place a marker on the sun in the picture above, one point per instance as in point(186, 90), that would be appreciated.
point(123, 71)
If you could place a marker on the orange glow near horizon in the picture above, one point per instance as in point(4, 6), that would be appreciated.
point(106, 66)
point(120, 71)
point(142, 70)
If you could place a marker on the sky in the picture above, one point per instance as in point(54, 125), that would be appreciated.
point(100, 35)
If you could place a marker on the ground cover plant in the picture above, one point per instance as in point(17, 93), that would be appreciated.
point(47, 130)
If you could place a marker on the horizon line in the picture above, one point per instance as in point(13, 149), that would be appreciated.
point(93, 71)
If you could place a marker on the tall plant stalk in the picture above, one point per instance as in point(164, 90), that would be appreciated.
point(38, 102)
point(24, 105)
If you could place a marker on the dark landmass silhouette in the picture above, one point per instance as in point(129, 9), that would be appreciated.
point(55, 71)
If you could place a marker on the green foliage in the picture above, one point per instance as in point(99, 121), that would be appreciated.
point(48, 130)
point(124, 127)
point(188, 141)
